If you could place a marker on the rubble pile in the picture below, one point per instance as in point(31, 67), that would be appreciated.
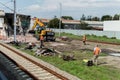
point(44, 51)
point(21, 38)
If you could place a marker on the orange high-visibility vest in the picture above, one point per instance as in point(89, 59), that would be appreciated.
point(41, 37)
point(97, 50)
point(84, 38)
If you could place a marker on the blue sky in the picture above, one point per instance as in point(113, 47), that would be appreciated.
point(74, 8)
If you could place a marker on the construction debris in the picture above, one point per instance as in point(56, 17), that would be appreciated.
point(64, 38)
point(68, 57)
point(30, 46)
point(44, 51)
point(88, 62)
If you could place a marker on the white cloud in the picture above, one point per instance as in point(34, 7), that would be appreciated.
point(53, 5)
point(73, 7)
point(35, 7)
point(42, 8)
point(91, 3)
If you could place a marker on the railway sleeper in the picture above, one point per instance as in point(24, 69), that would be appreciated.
point(13, 72)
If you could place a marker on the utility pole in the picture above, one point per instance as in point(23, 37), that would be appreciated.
point(60, 20)
point(14, 20)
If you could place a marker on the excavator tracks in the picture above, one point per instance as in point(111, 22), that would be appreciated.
point(36, 68)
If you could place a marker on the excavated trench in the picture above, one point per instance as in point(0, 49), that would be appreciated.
point(111, 52)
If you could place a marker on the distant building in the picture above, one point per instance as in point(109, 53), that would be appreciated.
point(2, 30)
point(112, 25)
point(7, 23)
point(97, 25)
point(72, 24)
point(2, 14)
point(22, 23)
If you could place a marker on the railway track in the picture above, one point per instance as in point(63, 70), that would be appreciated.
point(36, 68)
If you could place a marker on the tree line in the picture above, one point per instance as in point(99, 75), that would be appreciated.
point(103, 18)
point(54, 23)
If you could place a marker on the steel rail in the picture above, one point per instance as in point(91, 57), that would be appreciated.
point(36, 63)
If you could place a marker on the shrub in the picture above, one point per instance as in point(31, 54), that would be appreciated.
point(93, 35)
point(104, 36)
point(113, 37)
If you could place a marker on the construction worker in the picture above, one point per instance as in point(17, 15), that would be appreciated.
point(84, 39)
point(96, 53)
point(41, 40)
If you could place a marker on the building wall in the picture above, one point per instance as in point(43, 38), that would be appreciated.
point(1, 22)
point(2, 29)
point(22, 23)
point(73, 24)
point(111, 25)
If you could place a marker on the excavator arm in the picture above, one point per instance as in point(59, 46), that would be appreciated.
point(37, 22)
point(40, 27)
point(41, 30)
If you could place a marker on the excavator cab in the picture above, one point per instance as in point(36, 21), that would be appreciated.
point(40, 29)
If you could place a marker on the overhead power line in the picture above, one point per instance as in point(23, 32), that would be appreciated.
point(6, 6)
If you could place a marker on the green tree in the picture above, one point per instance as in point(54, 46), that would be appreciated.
point(95, 19)
point(83, 17)
point(106, 17)
point(89, 18)
point(54, 23)
point(84, 26)
point(67, 17)
point(116, 17)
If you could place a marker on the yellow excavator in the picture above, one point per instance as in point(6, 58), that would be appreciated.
point(40, 29)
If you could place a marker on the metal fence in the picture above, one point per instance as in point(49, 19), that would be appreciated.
point(90, 32)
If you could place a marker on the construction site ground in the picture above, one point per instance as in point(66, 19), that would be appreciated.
point(75, 45)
